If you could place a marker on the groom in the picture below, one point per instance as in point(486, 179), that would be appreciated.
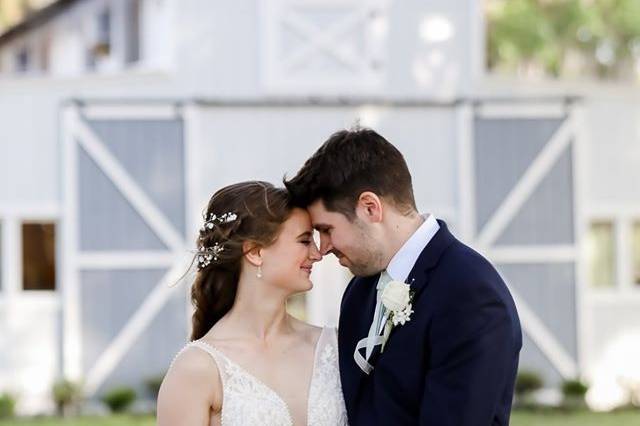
point(428, 332)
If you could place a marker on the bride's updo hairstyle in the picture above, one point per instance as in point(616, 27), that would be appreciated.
point(244, 212)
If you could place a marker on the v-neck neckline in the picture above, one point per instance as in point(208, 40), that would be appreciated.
point(270, 389)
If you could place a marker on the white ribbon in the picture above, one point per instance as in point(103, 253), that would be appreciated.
point(375, 330)
point(359, 359)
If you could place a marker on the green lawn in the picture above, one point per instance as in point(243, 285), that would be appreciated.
point(519, 418)
point(551, 418)
point(84, 421)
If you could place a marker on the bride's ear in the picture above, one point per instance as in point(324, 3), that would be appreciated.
point(253, 253)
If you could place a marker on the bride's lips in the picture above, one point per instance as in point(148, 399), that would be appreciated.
point(306, 269)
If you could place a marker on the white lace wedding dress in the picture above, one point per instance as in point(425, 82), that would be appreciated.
point(247, 401)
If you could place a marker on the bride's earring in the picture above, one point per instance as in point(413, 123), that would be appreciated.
point(259, 273)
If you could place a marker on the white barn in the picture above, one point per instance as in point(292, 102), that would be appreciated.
point(120, 118)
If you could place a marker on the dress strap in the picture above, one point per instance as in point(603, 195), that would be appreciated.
point(217, 357)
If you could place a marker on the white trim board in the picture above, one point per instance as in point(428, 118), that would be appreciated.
point(72, 342)
point(31, 211)
point(530, 110)
point(130, 112)
point(532, 254)
point(126, 259)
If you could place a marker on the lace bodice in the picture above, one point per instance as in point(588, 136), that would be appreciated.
point(248, 401)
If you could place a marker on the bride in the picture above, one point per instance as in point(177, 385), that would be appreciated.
point(249, 362)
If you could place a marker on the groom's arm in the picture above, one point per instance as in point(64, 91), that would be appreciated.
point(472, 360)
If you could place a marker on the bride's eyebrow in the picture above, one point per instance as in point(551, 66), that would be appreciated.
point(304, 234)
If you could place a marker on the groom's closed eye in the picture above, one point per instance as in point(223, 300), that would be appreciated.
point(324, 229)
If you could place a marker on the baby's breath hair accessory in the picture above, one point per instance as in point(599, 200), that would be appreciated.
point(214, 220)
point(208, 255)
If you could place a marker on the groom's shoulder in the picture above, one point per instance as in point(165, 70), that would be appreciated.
point(462, 270)
point(463, 259)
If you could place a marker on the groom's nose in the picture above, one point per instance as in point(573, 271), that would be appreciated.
point(325, 245)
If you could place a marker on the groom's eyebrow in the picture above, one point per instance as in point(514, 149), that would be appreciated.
point(321, 226)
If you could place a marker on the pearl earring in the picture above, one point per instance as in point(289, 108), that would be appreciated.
point(259, 273)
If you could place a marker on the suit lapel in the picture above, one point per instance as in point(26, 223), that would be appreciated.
point(355, 320)
point(429, 257)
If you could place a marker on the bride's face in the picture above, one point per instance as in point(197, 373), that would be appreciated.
point(287, 263)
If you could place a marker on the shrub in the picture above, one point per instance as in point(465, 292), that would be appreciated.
point(153, 385)
point(7, 406)
point(119, 399)
point(574, 392)
point(65, 394)
point(527, 382)
point(574, 388)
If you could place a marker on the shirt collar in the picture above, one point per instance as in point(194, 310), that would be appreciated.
point(403, 261)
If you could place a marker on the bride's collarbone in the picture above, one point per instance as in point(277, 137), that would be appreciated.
point(285, 365)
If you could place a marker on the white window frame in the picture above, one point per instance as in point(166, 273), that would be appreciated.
point(622, 218)
point(12, 217)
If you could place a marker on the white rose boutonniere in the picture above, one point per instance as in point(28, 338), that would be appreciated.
point(396, 298)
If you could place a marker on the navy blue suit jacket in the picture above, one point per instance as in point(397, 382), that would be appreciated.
point(453, 363)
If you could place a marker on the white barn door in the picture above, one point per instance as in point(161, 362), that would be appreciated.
point(519, 202)
point(124, 228)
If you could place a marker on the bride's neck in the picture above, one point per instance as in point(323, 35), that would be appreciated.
point(259, 312)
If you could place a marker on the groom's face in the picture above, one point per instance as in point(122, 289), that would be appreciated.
point(348, 240)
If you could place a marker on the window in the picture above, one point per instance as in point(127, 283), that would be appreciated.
point(22, 60)
point(44, 52)
point(100, 48)
point(636, 253)
point(38, 256)
point(601, 254)
point(132, 30)
point(1, 258)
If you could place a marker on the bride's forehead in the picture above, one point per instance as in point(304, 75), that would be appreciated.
point(298, 220)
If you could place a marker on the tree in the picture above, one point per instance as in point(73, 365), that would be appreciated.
point(564, 38)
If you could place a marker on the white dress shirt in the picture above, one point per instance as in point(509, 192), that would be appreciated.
point(403, 261)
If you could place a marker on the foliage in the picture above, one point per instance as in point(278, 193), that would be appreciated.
point(527, 382)
point(600, 38)
point(7, 406)
point(65, 394)
point(119, 399)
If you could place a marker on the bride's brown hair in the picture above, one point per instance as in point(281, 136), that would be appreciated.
point(258, 210)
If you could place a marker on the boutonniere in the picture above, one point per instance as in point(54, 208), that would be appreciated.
point(396, 298)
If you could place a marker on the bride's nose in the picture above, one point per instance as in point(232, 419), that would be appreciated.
point(314, 253)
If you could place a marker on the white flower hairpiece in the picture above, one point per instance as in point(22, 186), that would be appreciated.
point(215, 219)
point(206, 255)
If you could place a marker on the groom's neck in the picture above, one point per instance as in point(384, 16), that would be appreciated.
point(400, 228)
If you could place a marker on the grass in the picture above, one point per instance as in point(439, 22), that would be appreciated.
point(581, 418)
point(518, 418)
point(120, 420)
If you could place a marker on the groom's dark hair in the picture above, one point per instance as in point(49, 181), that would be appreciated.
point(349, 163)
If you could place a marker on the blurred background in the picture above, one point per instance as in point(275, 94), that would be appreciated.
point(519, 119)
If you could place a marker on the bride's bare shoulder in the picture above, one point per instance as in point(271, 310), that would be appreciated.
point(193, 371)
point(193, 361)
